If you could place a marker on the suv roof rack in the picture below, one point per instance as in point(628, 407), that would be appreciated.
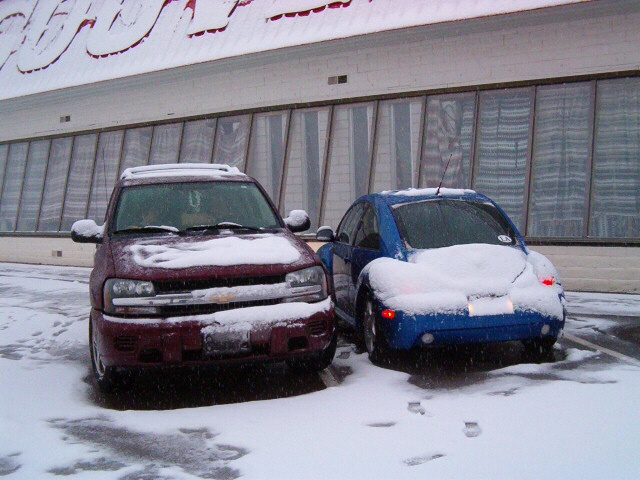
point(179, 169)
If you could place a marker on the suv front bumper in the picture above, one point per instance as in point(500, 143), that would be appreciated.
point(275, 332)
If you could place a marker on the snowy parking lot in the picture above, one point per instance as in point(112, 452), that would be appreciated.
point(465, 414)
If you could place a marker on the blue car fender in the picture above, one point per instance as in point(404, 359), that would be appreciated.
point(325, 252)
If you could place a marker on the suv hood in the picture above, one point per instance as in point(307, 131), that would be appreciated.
point(159, 257)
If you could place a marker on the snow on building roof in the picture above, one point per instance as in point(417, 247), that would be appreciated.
point(60, 43)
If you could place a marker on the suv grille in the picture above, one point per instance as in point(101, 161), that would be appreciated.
point(181, 286)
point(212, 308)
point(184, 286)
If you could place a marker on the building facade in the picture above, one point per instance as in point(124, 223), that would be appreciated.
point(539, 109)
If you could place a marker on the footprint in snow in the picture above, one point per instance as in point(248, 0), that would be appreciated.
point(413, 461)
point(472, 429)
point(381, 424)
point(416, 407)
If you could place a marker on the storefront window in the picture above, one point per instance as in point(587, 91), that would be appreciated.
point(55, 184)
point(197, 141)
point(232, 137)
point(447, 140)
point(560, 160)
point(615, 204)
point(397, 145)
point(33, 185)
point(502, 148)
point(349, 159)
point(12, 188)
point(82, 160)
point(165, 145)
point(105, 173)
point(136, 148)
point(266, 155)
point(305, 163)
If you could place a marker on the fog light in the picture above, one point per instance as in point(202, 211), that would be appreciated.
point(545, 329)
point(427, 338)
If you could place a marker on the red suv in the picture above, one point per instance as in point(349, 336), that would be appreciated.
point(195, 266)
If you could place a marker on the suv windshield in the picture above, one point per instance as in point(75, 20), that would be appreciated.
point(185, 205)
point(446, 222)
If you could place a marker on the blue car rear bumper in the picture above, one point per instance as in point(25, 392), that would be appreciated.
point(406, 331)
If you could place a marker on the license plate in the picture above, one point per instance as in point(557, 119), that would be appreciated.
point(224, 341)
point(490, 306)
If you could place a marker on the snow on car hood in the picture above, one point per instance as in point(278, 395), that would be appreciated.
point(167, 256)
point(447, 279)
point(223, 251)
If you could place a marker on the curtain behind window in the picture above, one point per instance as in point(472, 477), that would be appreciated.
point(447, 140)
point(615, 207)
point(560, 159)
point(502, 148)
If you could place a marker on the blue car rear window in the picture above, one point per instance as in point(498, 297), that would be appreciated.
point(447, 222)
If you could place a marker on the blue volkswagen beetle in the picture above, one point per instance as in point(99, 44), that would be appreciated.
point(423, 267)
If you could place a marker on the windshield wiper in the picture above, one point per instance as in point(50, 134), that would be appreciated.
point(149, 229)
point(224, 226)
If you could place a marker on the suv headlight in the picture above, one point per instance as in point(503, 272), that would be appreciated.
point(307, 285)
point(124, 296)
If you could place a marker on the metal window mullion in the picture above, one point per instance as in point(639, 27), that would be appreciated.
point(213, 142)
point(327, 161)
point(247, 149)
point(473, 160)
point(66, 183)
point(24, 176)
point(421, 135)
point(120, 154)
point(285, 163)
point(180, 142)
point(423, 128)
point(528, 176)
point(373, 146)
point(588, 197)
point(153, 134)
point(44, 181)
point(4, 173)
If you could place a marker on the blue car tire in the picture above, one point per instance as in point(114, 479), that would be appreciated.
point(374, 340)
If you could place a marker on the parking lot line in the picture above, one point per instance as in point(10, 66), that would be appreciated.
point(607, 351)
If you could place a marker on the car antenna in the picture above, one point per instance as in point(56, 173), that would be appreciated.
point(444, 173)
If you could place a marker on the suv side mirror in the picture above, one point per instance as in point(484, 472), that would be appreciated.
point(87, 231)
point(325, 234)
point(297, 221)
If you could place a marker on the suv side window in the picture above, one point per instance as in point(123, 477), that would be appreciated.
point(368, 235)
point(347, 228)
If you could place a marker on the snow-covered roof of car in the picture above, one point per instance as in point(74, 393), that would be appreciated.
point(411, 194)
point(180, 170)
point(57, 44)
point(431, 191)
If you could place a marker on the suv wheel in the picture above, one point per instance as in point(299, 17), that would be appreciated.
point(106, 377)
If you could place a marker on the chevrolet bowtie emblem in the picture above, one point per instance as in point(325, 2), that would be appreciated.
point(220, 297)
